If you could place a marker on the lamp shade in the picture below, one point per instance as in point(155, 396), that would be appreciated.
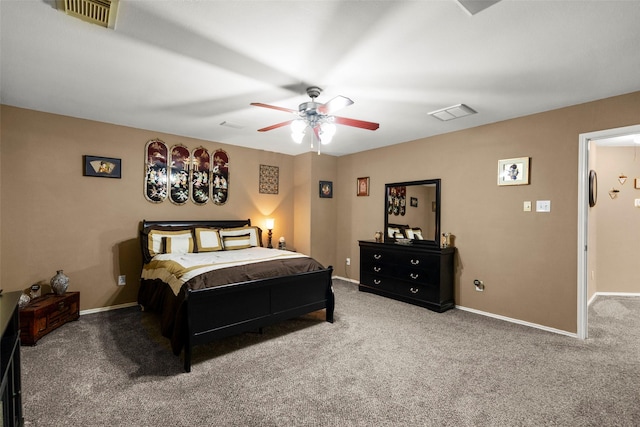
point(269, 223)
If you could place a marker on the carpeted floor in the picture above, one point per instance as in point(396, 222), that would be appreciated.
point(382, 363)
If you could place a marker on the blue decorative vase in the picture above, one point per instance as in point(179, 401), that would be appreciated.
point(59, 283)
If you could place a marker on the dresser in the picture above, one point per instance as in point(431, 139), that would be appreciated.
point(420, 275)
point(10, 388)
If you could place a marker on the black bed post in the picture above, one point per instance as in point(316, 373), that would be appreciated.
point(330, 297)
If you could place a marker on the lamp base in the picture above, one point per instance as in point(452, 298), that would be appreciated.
point(270, 235)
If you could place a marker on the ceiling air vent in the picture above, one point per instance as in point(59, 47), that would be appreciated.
point(101, 12)
point(453, 112)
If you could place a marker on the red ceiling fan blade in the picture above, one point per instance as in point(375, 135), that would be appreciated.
point(276, 126)
point(356, 123)
point(274, 107)
point(334, 104)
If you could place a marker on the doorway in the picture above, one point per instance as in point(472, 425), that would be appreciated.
point(583, 213)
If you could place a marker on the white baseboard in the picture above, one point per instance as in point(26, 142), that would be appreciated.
point(357, 282)
point(519, 322)
point(613, 294)
point(112, 307)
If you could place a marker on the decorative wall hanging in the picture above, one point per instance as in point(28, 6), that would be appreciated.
point(200, 185)
point(155, 180)
point(593, 188)
point(637, 183)
point(269, 179)
point(326, 189)
point(179, 175)
point(397, 200)
point(106, 167)
point(513, 171)
point(413, 202)
point(622, 179)
point(363, 186)
point(613, 193)
point(220, 177)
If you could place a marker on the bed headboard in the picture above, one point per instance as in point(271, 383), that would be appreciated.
point(219, 223)
point(185, 225)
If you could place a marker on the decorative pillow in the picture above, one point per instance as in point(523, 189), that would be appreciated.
point(392, 231)
point(409, 233)
point(154, 239)
point(236, 242)
point(181, 244)
point(417, 233)
point(208, 240)
point(254, 235)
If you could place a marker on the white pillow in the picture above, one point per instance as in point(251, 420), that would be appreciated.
point(155, 243)
point(236, 242)
point(208, 240)
point(178, 244)
point(251, 231)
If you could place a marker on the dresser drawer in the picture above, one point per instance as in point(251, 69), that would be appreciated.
point(418, 260)
point(421, 292)
point(378, 282)
point(378, 269)
point(376, 256)
point(416, 275)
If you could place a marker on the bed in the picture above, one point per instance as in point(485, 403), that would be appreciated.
point(203, 288)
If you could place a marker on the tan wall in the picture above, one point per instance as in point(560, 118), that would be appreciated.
point(528, 260)
point(54, 218)
point(315, 217)
point(617, 221)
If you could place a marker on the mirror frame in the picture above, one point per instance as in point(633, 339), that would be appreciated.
point(436, 238)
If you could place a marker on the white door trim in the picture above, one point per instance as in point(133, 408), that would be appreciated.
point(583, 216)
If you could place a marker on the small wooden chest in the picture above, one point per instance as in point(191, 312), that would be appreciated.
point(46, 313)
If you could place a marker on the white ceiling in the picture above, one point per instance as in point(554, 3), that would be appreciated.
point(183, 67)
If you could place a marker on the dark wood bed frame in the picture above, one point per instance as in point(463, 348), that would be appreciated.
point(221, 311)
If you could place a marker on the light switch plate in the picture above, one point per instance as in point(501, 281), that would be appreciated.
point(543, 205)
point(526, 206)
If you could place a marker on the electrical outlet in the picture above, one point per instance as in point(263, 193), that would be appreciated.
point(348, 261)
point(122, 280)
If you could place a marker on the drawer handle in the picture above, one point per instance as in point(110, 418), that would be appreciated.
point(414, 276)
point(377, 269)
point(61, 305)
point(377, 256)
point(414, 290)
point(376, 281)
point(415, 261)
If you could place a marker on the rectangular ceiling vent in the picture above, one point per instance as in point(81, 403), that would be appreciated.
point(101, 12)
point(453, 112)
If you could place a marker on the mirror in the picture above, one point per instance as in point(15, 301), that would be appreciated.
point(412, 212)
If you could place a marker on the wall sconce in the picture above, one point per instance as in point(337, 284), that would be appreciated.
point(269, 224)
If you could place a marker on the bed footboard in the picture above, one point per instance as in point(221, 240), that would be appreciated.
point(214, 313)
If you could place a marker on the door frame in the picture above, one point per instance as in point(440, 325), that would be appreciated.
point(583, 217)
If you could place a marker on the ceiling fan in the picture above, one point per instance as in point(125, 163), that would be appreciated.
point(317, 117)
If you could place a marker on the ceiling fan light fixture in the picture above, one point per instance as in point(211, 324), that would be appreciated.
point(327, 131)
point(298, 126)
point(454, 112)
point(297, 137)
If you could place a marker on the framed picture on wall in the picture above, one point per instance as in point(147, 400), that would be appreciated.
point(326, 189)
point(513, 171)
point(362, 187)
point(106, 167)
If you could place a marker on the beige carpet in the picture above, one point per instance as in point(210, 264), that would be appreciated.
point(382, 363)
